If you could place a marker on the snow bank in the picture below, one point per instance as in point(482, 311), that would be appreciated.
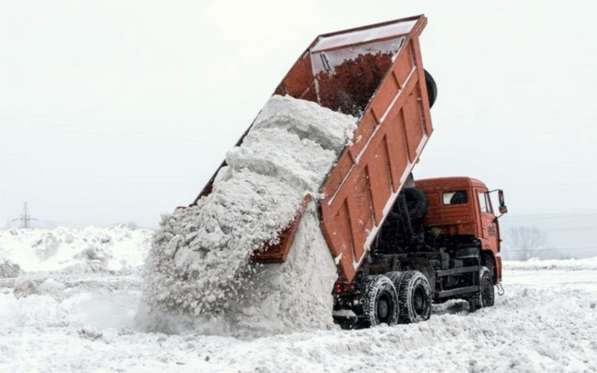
point(75, 249)
point(9, 269)
point(564, 264)
point(199, 261)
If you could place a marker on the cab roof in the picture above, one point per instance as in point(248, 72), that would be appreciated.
point(449, 183)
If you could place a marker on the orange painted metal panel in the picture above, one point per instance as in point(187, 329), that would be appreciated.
point(380, 177)
point(401, 131)
point(397, 148)
point(361, 209)
point(404, 65)
point(362, 134)
point(413, 124)
point(299, 78)
point(422, 87)
point(338, 173)
point(384, 97)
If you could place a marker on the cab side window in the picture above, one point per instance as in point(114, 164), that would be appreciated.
point(458, 197)
point(484, 203)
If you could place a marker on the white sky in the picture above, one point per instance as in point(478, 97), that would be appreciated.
point(117, 111)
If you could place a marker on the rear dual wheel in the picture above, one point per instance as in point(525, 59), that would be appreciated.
point(397, 297)
point(380, 305)
point(414, 297)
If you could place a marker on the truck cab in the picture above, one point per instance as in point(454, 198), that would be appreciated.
point(464, 207)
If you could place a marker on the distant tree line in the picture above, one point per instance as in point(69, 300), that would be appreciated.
point(525, 242)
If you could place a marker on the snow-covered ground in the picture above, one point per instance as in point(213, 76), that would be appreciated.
point(88, 321)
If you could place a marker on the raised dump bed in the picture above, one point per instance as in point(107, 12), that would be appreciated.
point(374, 73)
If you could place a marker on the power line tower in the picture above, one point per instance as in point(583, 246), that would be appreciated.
point(25, 217)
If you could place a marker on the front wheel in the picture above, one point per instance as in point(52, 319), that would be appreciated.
point(487, 290)
point(486, 296)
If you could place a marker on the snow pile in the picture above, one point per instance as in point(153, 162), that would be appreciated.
point(75, 249)
point(24, 287)
point(199, 260)
point(9, 269)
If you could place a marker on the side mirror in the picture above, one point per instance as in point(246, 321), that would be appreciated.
point(503, 208)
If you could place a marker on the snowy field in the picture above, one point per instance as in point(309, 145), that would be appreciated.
point(77, 311)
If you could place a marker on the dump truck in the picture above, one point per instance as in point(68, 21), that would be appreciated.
point(400, 244)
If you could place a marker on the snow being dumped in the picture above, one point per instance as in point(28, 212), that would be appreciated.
point(199, 264)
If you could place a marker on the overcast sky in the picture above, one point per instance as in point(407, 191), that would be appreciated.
point(117, 111)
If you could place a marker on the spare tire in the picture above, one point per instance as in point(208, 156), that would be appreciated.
point(380, 303)
point(414, 296)
point(431, 88)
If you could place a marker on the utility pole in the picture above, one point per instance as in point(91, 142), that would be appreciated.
point(25, 217)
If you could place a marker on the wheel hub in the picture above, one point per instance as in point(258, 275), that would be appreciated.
point(383, 309)
point(420, 303)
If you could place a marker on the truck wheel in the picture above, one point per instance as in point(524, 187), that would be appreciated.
point(414, 296)
point(474, 303)
point(487, 291)
point(395, 277)
point(431, 88)
point(380, 305)
point(488, 261)
point(486, 295)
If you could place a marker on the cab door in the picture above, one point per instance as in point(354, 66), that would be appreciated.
point(489, 227)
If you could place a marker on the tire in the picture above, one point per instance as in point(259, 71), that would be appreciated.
point(488, 261)
point(487, 290)
point(474, 303)
point(416, 203)
point(414, 296)
point(380, 304)
point(395, 277)
point(486, 296)
point(431, 88)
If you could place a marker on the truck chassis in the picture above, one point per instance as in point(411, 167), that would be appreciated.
point(409, 267)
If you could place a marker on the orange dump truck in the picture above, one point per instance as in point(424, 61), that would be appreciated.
point(399, 244)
